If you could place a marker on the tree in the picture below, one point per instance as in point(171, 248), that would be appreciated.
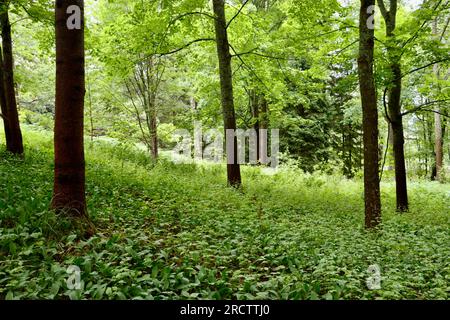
point(394, 92)
point(3, 110)
point(438, 130)
point(370, 116)
point(145, 84)
point(8, 101)
point(69, 183)
point(226, 86)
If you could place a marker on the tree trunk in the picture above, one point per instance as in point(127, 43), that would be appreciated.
point(69, 184)
point(370, 118)
point(394, 107)
point(400, 167)
point(3, 108)
point(438, 132)
point(226, 86)
point(254, 109)
point(153, 133)
point(438, 144)
point(14, 141)
point(263, 142)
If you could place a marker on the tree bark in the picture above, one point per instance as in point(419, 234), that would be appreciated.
point(394, 107)
point(14, 141)
point(438, 132)
point(370, 118)
point(3, 107)
point(226, 85)
point(69, 184)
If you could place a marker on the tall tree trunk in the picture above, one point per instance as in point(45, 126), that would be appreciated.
point(400, 167)
point(438, 132)
point(394, 107)
point(69, 185)
point(3, 107)
point(226, 85)
point(14, 142)
point(370, 118)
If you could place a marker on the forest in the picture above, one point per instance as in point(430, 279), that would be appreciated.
point(224, 149)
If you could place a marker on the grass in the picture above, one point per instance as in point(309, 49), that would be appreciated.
point(167, 231)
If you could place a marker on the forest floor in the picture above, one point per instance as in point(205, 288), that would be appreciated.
point(167, 231)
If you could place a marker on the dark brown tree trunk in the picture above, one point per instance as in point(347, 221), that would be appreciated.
point(370, 118)
point(14, 141)
point(226, 85)
point(399, 159)
point(394, 106)
point(69, 185)
point(396, 118)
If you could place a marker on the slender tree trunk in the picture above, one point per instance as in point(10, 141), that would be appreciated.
point(370, 118)
point(400, 166)
point(431, 156)
point(153, 133)
point(394, 106)
point(438, 132)
point(254, 106)
point(69, 185)
point(438, 144)
point(425, 142)
point(263, 125)
point(226, 85)
point(14, 142)
point(259, 110)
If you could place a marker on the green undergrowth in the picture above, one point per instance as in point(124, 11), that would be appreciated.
point(168, 231)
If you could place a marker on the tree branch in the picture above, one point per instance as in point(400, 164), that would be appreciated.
point(437, 112)
point(444, 30)
point(419, 108)
point(423, 67)
point(239, 11)
point(181, 16)
point(418, 30)
point(383, 9)
point(249, 68)
point(185, 46)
